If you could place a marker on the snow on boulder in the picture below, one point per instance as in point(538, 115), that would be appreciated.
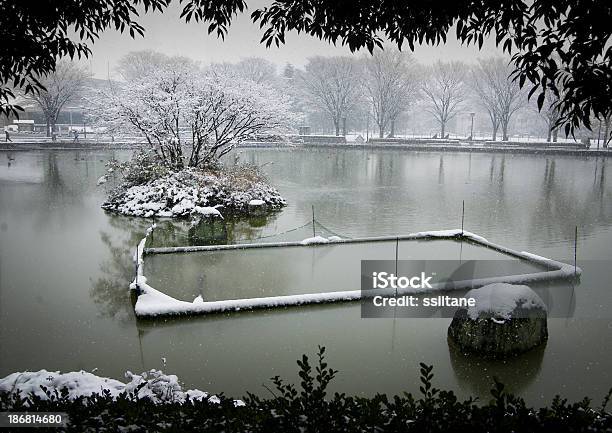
point(257, 207)
point(506, 320)
point(501, 301)
point(208, 211)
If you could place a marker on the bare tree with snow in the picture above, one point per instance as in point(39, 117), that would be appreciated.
point(62, 86)
point(137, 64)
point(497, 92)
point(391, 85)
point(330, 84)
point(257, 70)
point(550, 114)
point(444, 89)
point(191, 117)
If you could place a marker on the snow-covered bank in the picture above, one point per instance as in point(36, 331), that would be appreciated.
point(191, 191)
point(152, 302)
point(152, 384)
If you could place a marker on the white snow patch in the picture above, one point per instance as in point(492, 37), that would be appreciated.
point(208, 211)
point(315, 240)
point(158, 387)
point(501, 299)
point(257, 202)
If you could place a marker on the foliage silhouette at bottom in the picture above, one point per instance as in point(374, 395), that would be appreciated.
point(308, 408)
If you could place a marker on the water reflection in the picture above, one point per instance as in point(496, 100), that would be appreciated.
point(211, 231)
point(110, 292)
point(475, 375)
point(56, 244)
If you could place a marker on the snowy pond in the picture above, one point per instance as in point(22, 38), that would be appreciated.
point(65, 267)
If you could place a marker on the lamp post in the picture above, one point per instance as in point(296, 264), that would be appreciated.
point(84, 127)
point(472, 126)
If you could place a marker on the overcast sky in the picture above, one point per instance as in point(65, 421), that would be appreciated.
point(170, 35)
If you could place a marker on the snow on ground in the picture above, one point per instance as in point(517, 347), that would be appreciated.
point(500, 300)
point(152, 384)
point(188, 192)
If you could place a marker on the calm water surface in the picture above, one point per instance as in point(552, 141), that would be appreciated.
point(65, 266)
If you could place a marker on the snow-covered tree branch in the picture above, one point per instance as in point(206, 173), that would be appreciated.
point(445, 91)
point(392, 85)
point(189, 116)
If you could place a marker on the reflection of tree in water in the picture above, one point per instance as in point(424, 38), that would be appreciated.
point(563, 206)
point(475, 374)
point(110, 292)
point(210, 231)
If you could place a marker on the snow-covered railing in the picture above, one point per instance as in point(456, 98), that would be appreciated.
point(152, 302)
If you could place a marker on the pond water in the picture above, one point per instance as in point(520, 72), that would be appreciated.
point(65, 266)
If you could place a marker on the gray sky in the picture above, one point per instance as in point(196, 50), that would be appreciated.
point(170, 35)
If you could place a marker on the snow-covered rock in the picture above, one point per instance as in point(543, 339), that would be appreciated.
point(502, 301)
point(152, 384)
point(505, 320)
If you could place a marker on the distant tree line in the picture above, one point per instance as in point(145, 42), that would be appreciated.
point(376, 92)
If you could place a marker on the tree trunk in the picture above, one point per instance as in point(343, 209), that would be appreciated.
point(48, 129)
point(554, 135)
point(337, 126)
point(442, 129)
point(53, 128)
point(505, 132)
point(392, 133)
point(548, 137)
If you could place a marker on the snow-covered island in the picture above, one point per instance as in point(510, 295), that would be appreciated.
point(190, 118)
point(194, 191)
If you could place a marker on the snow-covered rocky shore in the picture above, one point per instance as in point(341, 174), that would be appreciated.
point(191, 191)
point(153, 384)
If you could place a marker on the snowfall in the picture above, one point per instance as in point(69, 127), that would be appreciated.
point(189, 193)
point(152, 384)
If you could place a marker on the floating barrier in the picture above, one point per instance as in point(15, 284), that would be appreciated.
point(152, 302)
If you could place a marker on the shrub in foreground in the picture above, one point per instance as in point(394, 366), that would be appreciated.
point(308, 408)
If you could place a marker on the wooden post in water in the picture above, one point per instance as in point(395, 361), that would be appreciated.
point(314, 234)
point(575, 250)
point(462, 215)
point(396, 258)
point(136, 270)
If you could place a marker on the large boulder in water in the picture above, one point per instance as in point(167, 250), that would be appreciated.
point(506, 320)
